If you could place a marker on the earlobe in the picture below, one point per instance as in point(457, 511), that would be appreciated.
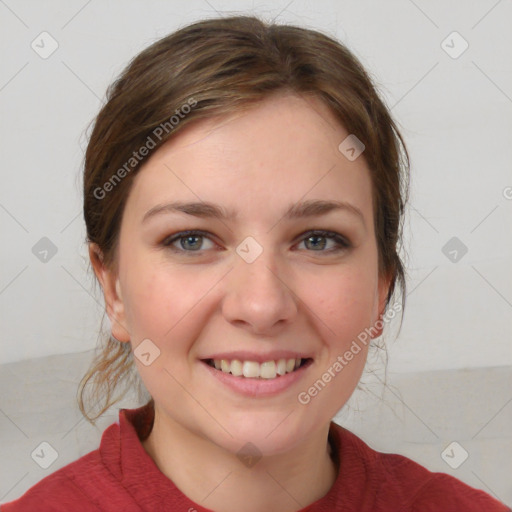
point(110, 285)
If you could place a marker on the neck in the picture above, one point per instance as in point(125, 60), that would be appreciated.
point(216, 479)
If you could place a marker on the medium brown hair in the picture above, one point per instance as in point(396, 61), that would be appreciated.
point(218, 67)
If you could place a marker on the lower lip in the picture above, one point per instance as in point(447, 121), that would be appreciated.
point(256, 387)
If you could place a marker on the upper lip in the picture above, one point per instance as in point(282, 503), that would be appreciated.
point(244, 355)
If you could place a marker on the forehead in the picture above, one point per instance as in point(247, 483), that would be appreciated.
point(282, 150)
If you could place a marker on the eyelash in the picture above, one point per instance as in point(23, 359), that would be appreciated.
point(342, 243)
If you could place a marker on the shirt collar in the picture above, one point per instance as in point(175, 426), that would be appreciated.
point(151, 489)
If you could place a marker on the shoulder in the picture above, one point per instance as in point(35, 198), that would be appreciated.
point(396, 480)
point(81, 485)
point(444, 490)
point(423, 490)
point(60, 491)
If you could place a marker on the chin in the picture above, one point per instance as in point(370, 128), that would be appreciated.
point(265, 433)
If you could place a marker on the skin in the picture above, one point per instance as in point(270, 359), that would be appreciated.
point(293, 296)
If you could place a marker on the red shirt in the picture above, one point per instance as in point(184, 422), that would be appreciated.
point(121, 476)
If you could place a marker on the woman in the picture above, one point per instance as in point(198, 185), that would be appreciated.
point(243, 193)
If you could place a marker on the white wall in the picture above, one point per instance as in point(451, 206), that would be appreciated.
point(455, 115)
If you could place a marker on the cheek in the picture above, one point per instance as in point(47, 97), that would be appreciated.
point(146, 304)
point(344, 302)
point(343, 306)
point(164, 303)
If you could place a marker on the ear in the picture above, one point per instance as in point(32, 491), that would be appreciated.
point(383, 290)
point(112, 293)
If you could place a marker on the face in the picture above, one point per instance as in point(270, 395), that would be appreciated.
point(259, 285)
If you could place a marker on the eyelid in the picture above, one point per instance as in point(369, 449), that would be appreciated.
point(169, 240)
point(333, 235)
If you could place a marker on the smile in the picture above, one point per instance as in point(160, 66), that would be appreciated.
point(252, 369)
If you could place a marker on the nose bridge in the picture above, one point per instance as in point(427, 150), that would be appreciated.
point(258, 294)
point(258, 264)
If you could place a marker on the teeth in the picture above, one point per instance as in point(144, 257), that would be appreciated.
point(268, 370)
point(252, 369)
point(281, 366)
point(236, 368)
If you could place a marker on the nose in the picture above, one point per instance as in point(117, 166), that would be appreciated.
point(260, 296)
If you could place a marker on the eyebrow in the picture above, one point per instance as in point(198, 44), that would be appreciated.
point(304, 209)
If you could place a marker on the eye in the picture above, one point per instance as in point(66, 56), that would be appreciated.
point(317, 240)
point(189, 241)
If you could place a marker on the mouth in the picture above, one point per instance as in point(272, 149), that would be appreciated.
point(266, 370)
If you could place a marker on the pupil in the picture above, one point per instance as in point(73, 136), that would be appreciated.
point(189, 238)
point(315, 244)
